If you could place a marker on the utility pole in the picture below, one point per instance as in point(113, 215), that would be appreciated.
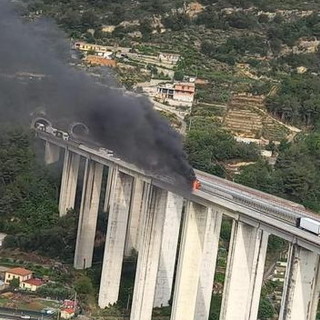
point(190, 119)
point(128, 302)
point(75, 299)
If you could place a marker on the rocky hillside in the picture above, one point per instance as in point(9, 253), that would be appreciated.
point(236, 45)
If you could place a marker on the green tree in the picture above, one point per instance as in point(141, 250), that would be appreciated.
point(296, 174)
point(83, 285)
point(178, 75)
point(242, 20)
point(54, 290)
point(146, 29)
point(176, 21)
point(260, 176)
point(118, 14)
point(70, 20)
point(266, 310)
point(207, 149)
point(90, 20)
point(14, 283)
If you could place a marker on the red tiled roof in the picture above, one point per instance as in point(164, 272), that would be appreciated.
point(96, 60)
point(69, 304)
point(34, 282)
point(19, 271)
point(68, 310)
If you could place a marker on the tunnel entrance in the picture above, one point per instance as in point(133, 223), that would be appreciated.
point(40, 123)
point(79, 129)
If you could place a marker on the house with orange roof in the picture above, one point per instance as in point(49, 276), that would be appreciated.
point(32, 284)
point(100, 61)
point(17, 273)
point(184, 92)
point(180, 93)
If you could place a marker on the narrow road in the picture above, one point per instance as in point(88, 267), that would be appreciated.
point(173, 110)
point(17, 313)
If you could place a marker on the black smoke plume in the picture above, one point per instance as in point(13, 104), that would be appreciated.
point(36, 78)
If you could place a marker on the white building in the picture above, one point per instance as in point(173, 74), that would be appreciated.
point(170, 58)
point(177, 94)
point(21, 274)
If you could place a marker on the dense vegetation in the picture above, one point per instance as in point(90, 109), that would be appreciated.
point(296, 174)
point(27, 195)
point(28, 204)
point(209, 149)
point(297, 101)
point(257, 34)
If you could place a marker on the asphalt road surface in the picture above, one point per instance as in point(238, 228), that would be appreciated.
point(8, 314)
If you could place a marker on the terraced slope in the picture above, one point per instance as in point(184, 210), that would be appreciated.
point(246, 116)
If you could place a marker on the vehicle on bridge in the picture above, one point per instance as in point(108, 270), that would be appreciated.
point(107, 152)
point(61, 134)
point(40, 126)
point(309, 224)
point(44, 127)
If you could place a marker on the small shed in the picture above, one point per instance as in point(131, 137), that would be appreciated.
point(2, 285)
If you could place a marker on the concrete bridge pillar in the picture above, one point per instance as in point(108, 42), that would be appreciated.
point(301, 287)
point(148, 258)
point(244, 274)
point(88, 214)
point(51, 153)
point(197, 261)
point(208, 263)
point(170, 235)
point(120, 198)
point(110, 179)
point(134, 224)
point(69, 182)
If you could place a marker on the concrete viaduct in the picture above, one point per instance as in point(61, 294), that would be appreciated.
point(145, 214)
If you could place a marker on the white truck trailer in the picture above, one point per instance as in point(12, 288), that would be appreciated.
point(309, 225)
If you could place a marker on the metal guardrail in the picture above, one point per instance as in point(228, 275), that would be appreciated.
point(280, 209)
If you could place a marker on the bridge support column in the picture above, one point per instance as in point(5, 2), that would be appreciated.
point(197, 261)
point(148, 258)
point(120, 198)
point(51, 153)
point(135, 217)
point(244, 274)
point(69, 182)
point(168, 252)
point(88, 214)
point(301, 287)
point(110, 179)
point(208, 264)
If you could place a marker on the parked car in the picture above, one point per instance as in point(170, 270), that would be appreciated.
point(48, 311)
